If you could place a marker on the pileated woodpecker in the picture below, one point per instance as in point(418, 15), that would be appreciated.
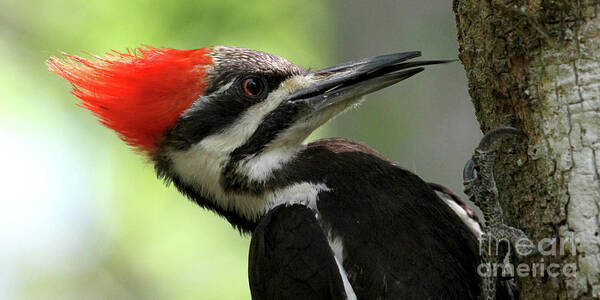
point(331, 219)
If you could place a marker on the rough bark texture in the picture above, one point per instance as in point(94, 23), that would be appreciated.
point(535, 65)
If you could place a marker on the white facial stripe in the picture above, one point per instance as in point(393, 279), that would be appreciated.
point(237, 134)
point(201, 165)
point(288, 143)
point(300, 130)
point(201, 172)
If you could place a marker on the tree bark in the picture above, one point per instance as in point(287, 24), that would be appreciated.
point(535, 65)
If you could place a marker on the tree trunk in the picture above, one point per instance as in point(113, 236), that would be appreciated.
point(535, 65)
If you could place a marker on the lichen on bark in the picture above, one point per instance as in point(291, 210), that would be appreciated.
point(535, 65)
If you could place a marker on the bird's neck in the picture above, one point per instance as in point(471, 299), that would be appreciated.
point(247, 186)
point(242, 189)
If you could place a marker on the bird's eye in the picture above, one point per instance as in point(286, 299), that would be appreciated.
point(253, 87)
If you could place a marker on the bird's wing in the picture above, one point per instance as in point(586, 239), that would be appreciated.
point(291, 259)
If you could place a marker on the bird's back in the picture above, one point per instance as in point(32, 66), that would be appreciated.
point(400, 240)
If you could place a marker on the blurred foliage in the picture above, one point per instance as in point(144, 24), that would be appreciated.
point(82, 216)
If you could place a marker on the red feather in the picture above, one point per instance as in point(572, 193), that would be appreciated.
point(139, 94)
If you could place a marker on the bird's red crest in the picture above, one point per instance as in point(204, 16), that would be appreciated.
point(139, 94)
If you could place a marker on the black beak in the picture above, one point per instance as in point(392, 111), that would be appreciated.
point(353, 79)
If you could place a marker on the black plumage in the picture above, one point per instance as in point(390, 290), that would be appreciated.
point(290, 258)
point(401, 241)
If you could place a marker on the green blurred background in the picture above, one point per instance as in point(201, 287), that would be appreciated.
point(83, 217)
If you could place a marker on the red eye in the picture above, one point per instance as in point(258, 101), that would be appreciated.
point(253, 87)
